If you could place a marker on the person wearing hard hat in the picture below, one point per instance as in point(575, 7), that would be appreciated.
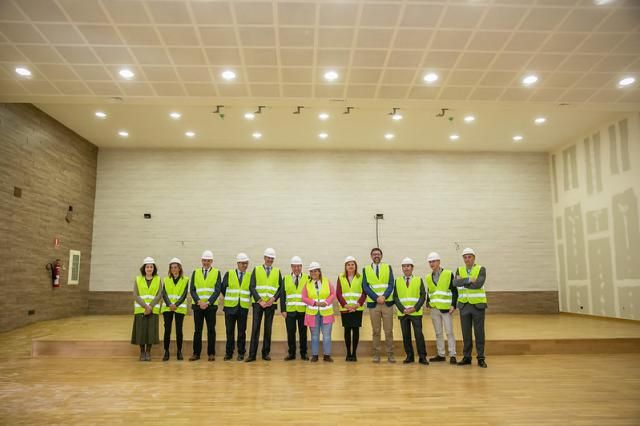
point(351, 297)
point(174, 294)
point(265, 288)
point(377, 282)
point(147, 294)
point(235, 291)
point(318, 295)
point(205, 289)
point(410, 295)
point(293, 308)
point(442, 298)
point(472, 302)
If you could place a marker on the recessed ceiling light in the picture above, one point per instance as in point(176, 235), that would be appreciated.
point(323, 135)
point(228, 75)
point(396, 117)
point(517, 138)
point(454, 137)
point(540, 120)
point(626, 81)
point(430, 77)
point(602, 2)
point(323, 116)
point(101, 114)
point(331, 75)
point(469, 119)
point(23, 72)
point(256, 135)
point(389, 136)
point(249, 115)
point(123, 133)
point(175, 115)
point(189, 134)
point(529, 80)
point(126, 73)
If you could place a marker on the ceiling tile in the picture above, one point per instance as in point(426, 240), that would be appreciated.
point(466, 16)
point(40, 53)
point(169, 12)
point(546, 95)
point(332, 91)
point(475, 60)
point(337, 14)
point(515, 94)
point(543, 19)
point(464, 78)
point(84, 10)
point(296, 91)
point(254, 36)
point(207, 13)
point(178, 36)
point(379, 15)
point(359, 92)
point(613, 63)
point(20, 33)
point(200, 89)
point(335, 37)
point(77, 54)
point(392, 76)
point(10, 87)
point(600, 43)
point(142, 36)
point(596, 80)
point(333, 58)
point(510, 61)
point(486, 94)
point(126, 12)
point(113, 55)
point(369, 58)
point(423, 92)
point(525, 42)
point(622, 21)
point(502, 18)
point(92, 72)
point(498, 78)
point(37, 10)
point(9, 53)
point(404, 59)
point(412, 39)
point(488, 40)
point(265, 90)
point(296, 14)
point(260, 57)
point(297, 37)
point(583, 19)
point(560, 79)
point(296, 75)
point(364, 75)
point(151, 55)
point(450, 40)
point(418, 15)
point(60, 33)
point(455, 93)
point(371, 38)
point(579, 62)
point(263, 75)
point(440, 59)
point(39, 87)
point(254, 13)
point(104, 88)
point(606, 96)
point(72, 88)
point(132, 88)
point(296, 57)
point(218, 36)
point(187, 56)
point(99, 34)
point(160, 73)
point(393, 92)
point(630, 45)
point(576, 95)
point(168, 89)
point(563, 42)
point(57, 72)
point(193, 73)
point(545, 62)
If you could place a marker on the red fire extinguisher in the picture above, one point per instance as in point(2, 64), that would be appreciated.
point(55, 269)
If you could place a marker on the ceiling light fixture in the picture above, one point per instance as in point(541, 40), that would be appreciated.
point(529, 80)
point(123, 133)
point(627, 81)
point(189, 134)
point(454, 137)
point(389, 136)
point(228, 75)
point(430, 77)
point(23, 72)
point(323, 116)
point(101, 114)
point(323, 135)
point(540, 120)
point(126, 73)
point(256, 135)
point(249, 115)
point(175, 115)
point(517, 138)
point(469, 119)
point(331, 75)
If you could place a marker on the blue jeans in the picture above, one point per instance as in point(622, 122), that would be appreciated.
point(326, 337)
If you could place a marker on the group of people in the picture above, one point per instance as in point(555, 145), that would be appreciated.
point(306, 301)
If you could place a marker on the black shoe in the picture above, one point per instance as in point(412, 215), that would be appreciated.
point(465, 361)
point(165, 357)
point(327, 358)
point(453, 360)
point(408, 360)
point(289, 357)
point(211, 358)
point(304, 357)
point(143, 356)
point(423, 361)
point(437, 359)
point(194, 357)
point(348, 358)
point(250, 359)
point(314, 358)
point(482, 364)
point(240, 357)
point(179, 356)
point(354, 358)
point(266, 358)
point(227, 357)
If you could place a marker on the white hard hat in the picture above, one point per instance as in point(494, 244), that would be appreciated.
point(313, 266)
point(270, 253)
point(295, 260)
point(207, 255)
point(468, 251)
point(433, 256)
point(148, 261)
point(407, 261)
point(242, 257)
point(349, 259)
point(175, 260)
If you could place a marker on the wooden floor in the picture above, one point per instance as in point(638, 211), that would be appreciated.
point(515, 390)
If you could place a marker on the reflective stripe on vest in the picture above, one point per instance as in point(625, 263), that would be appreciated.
point(147, 293)
point(266, 286)
point(325, 291)
point(378, 285)
point(237, 292)
point(294, 301)
point(440, 296)
point(467, 295)
point(351, 292)
point(205, 288)
point(174, 291)
point(410, 295)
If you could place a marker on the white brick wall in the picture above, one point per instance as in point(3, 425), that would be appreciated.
point(320, 205)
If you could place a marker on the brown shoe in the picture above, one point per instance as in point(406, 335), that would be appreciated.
point(211, 358)
point(194, 357)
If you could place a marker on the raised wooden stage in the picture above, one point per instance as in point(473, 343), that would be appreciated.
point(108, 336)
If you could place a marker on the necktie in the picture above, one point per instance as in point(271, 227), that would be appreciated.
point(407, 280)
point(297, 280)
point(240, 277)
point(268, 268)
point(206, 272)
point(377, 270)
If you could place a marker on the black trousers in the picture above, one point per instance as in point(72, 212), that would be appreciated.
point(168, 320)
point(472, 322)
point(199, 317)
point(231, 321)
point(406, 322)
point(258, 313)
point(296, 320)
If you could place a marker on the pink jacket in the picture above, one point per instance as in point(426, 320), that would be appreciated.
point(310, 320)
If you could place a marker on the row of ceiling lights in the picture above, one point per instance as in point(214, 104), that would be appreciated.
point(396, 116)
point(331, 76)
